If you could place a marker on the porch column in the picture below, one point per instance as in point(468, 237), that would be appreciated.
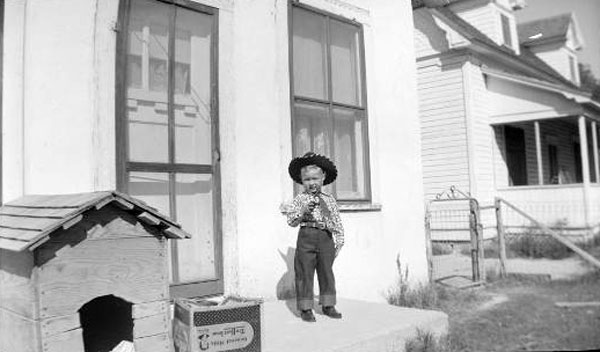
point(595, 150)
point(538, 152)
point(585, 168)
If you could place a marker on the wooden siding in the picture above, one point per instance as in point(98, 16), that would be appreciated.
point(17, 283)
point(443, 127)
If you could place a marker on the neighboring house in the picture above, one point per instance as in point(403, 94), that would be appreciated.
point(501, 112)
point(197, 107)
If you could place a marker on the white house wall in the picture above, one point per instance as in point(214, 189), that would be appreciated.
point(443, 126)
point(60, 58)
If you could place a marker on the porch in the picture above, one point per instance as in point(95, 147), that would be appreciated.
point(365, 327)
point(550, 169)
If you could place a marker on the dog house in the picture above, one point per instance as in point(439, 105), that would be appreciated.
point(83, 272)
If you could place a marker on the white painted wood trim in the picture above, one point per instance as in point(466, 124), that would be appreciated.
point(585, 167)
point(467, 99)
point(538, 152)
point(595, 150)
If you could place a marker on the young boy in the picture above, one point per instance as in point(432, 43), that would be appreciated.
point(321, 234)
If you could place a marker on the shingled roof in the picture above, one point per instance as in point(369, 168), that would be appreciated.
point(27, 222)
point(538, 68)
point(549, 28)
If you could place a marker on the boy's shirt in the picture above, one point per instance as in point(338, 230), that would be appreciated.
point(332, 223)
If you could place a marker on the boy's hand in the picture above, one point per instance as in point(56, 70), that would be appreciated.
point(308, 207)
point(338, 248)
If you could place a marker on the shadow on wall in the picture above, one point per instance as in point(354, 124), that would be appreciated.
point(286, 289)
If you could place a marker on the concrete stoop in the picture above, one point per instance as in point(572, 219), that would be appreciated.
point(365, 327)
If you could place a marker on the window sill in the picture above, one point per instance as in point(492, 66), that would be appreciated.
point(357, 207)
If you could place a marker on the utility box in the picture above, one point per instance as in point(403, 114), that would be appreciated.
point(84, 272)
point(204, 326)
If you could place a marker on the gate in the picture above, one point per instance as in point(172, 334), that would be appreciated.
point(454, 239)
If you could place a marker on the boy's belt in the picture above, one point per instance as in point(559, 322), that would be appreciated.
point(315, 224)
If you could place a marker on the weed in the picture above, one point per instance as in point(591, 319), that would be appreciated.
point(426, 341)
point(423, 296)
point(538, 246)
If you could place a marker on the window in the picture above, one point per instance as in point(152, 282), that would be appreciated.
point(553, 158)
point(578, 163)
point(167, 129)
point(516, 160)
point(506, 35)
point(573, 68)
point(329, 104)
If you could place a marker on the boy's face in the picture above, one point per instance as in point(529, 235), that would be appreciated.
point(312, 179)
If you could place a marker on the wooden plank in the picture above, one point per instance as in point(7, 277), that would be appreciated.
point(58, 325)
point(19, 222)
point(17, 283)
point(131, 268)
point(116, 224)
point(151, 325)
point(17, 333)
point(174, 232)
point(147, 309)
point(57, 213)
point(59, 201)
point(72, 222)
point(149, 219)
point(68, 341)
point(13, 245)
point(156, 343)
point(103, 203)
point(123, 204)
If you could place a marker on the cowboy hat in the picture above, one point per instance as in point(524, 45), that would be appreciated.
point(311, 158)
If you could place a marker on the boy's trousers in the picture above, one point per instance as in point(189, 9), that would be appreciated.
point(314, 250)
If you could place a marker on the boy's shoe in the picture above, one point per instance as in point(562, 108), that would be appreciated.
point(331, 312)
point(307, 315)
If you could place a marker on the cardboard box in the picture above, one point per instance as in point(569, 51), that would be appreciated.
point(205, 326)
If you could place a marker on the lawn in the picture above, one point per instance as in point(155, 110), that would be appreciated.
point(518, 315)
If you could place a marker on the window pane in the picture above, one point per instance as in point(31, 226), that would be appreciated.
point(311, 129)
point(345, 63)
point(309, 54)
point(350, 149)
point(194, 199)
point(506, 30)
point(192, 87)
point(147, 74)
point(311, 132)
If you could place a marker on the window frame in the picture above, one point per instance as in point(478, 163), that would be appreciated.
point(329, 103)
point(172, 168)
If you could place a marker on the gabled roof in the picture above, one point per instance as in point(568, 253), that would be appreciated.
point(28, 222)
point(535, 67)
point(544, 29)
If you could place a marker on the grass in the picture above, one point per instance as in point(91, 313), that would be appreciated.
point(527, 317)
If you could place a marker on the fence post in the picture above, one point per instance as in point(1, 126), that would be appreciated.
point(475, 259)
point(501, 242)
point(428, 249)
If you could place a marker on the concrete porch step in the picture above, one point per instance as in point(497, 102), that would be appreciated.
point(365, 327)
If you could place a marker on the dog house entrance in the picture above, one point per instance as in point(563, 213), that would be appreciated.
point(105, 321)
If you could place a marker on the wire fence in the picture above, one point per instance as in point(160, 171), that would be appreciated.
point(472, 241)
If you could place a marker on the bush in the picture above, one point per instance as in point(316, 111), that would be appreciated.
point(441, 248)
point(538, 246)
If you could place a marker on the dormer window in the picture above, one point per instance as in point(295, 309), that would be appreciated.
point(506, 32)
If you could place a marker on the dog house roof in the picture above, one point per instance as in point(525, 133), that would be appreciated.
point(27, 222)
